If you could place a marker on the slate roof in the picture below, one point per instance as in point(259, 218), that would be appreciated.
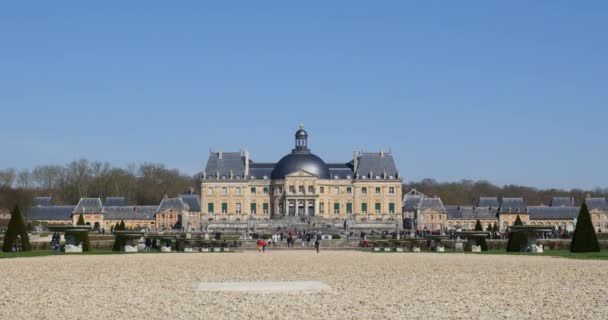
point(471, 212)
point(546, 212)
point(50, 213)
point(175, 204)
point(115, 201)
point(376, 164)
point(596, 203)
point(453, 212)
point(129, 212)
point(411, 200)
point(341, 170)
point(192, 200)
point(370, 166)
point(561, 202)
point(260, 170)
point(432, 203)
point(42, 201)
point(513, 205)
point(88, 205)
point(230, 163)
point(488, 202)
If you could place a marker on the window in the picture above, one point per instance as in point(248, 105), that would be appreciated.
point(253, 208)
point(238, 208)
point(265, 208)
point(378, 207)
point(292, 189)
point(391, 190)
point(364, 208)
point(253, 190)
point(210, 208)
point(280, 190)
point(301, 189)
point(391, 208)
point(321, 190)
point(224, 191)
point(349, 190)
point(265, 190)
point(322, 207)
point(336, 208)
point(237, 190)
point(311, 189)
point(349, 208)
point(378, 191)
point(364, 191)
point(336, 191)
point(210, 191)
point(224, 207)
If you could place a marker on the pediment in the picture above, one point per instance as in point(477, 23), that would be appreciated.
point(300, 174)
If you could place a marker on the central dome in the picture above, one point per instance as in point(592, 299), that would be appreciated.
point(301, 158)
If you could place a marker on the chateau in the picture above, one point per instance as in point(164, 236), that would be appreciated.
point(301, 185)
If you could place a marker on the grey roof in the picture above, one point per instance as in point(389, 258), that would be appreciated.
point(596, 203)
point(561, 202)
point(260, 170)
point(300, 160)
point(42, 201)
point(488, 202)
point(50, 213)
point(230, 164)
point(377, 164)
point(411, 200)
point(115, 201)
point(453, 212)
point(513, 205)
point(546, 212)
point(129, 212)
point(175, 204)
point(341, 170)
point(432, 203)
point(88, 205)
point(192, 200)
point(471, 212)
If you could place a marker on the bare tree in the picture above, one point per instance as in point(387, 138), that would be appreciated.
point(7, 177)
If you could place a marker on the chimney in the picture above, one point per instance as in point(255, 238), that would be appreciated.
point(572, 200)
point(165, 196)
point(355, 162)
point(246, 163)
point(382, 153)
point(220, 155)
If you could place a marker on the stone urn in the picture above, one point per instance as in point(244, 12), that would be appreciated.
point(475, 248)
point(165, 249)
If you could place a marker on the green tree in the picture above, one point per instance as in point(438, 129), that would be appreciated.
point(122, 225)
point(117, 226)
point(585, 239)
point(517, 240)
point(480, 241)
point(80, 221)
point(16, 229)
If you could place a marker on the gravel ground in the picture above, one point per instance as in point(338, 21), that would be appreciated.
point(363, 286)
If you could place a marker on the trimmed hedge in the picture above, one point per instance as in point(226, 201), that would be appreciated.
point(584, 239)
point(16, 227)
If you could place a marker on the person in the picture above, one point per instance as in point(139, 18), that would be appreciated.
point(317, 244)
point(148, 243)
point(259, 242)
point(264, 244)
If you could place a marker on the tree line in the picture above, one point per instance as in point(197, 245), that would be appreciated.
point(144, 184)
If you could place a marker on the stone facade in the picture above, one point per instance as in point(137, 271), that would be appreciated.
point(234, 188)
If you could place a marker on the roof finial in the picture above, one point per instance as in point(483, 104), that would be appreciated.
point(301, 125)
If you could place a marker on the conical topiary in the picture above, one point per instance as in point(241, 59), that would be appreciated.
point(584, 239)
point(517, 240)
point(481, 241)
point(16, 228)
point(80, 221)
point(122, 225)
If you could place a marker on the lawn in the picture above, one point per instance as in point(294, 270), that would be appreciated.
point(42, 253)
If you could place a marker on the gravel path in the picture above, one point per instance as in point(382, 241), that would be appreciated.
point(363, 286)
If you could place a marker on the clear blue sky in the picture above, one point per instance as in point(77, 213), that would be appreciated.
point(512, 92)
